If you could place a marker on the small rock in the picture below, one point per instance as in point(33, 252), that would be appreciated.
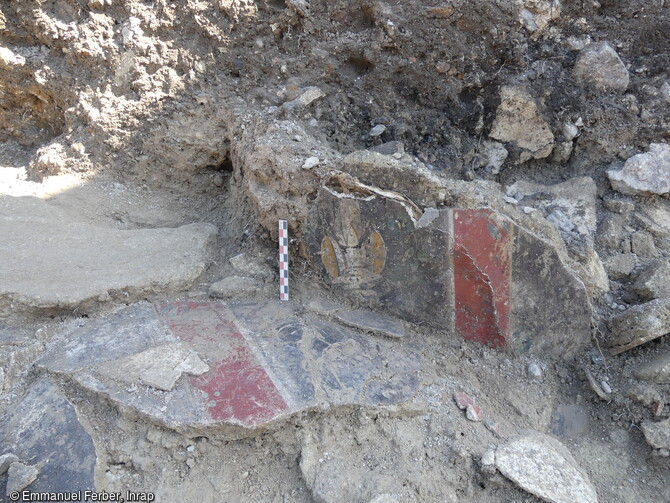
point(621, 265)
point(233, 287)
point(534, 371)
point(665, 91)
point(389, 148)
point(611, 231)
point(518, 120)
point(474, 413)
point(309, 96)
point(646, 173)
point(640, 324)
point(657, 370)
point(488, 458)
point(8, 58)
point(6, 460)
point(542, 466)
point(606, 387)
point(618, 205)
point(570, 131)
point(642, 244)
point(190, 462)
point(657, 434)
point(20, 476)
point(496, 155)
point(377, 130)
point(310, 162)
point(594, 385)
point(599, 65)
point(654, 281)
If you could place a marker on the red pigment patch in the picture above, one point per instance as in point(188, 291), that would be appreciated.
point(482, 276)
point(237, 386)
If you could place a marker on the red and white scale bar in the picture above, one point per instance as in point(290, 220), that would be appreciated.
point(283, 260)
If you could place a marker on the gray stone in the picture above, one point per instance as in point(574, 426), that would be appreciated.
point(496, 155)
point(657, 370)
point(647, 173)
point(621, 265)
point(377, 130)
point(570, 131)
point(234, 287)
point(642, 244)
point(534, 371)
point(657, 434)
point(44, 428)
point(611, 231)
point(2, 380)
point(653, 215)
point(519, 121)
point(372, 322)
point(6, 460)
point(310, 162)
point(640, 324)
point(389, 148)
point(308, 96)
point(542, 466)
point(599, 65)
point(20, 476)
point(48, 261)
point(621, 205)
point(654, 281)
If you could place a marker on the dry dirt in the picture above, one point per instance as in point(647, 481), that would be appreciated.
point(126, 114)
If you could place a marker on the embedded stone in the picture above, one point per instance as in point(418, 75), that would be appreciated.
point(519, 121)
point(543, 466)
point(644, 174)
point(640, 324)
point(600, 66)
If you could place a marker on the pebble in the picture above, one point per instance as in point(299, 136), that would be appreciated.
point(534, 371)
point(310, 162)
point(599, 65)
point(570, 131)
point(605, 387)
point(377, 130)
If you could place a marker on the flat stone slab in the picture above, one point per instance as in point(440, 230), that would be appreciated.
point(50, 262)
point(372, 322)
point(44, 431)
point(242, 364)
point(472, 272)
point(542, 466)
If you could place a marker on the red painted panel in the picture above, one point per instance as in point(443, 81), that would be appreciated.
point(237, 386)
point(482, 276)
